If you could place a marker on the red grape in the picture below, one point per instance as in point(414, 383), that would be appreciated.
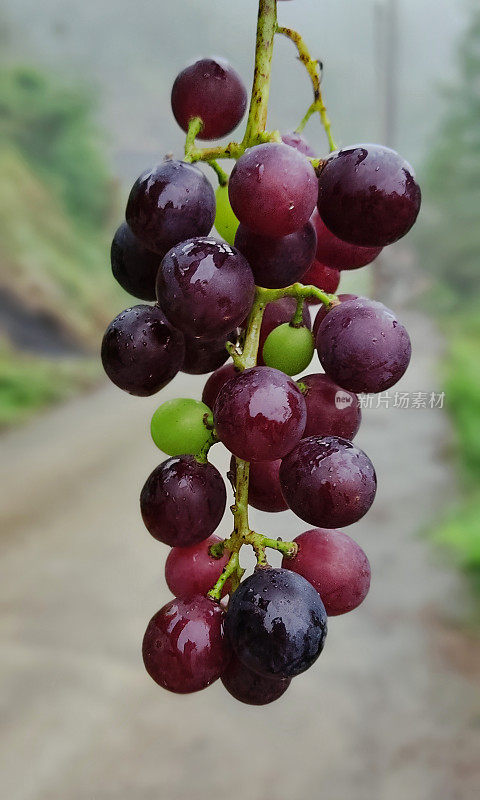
point(277, 262)
point(184, 647)
point(335, 565)
point(362, 346)
point(323, 278)
point(327, 481)
point(212, 90)
point(192, 570)
point(202, 357)
point(133, 266)
point(368, 195)
point(276, 314)
point(215, 383)
point(170, 203)
point(338, 254)
point(250, 687)
point(182, 501)
point(273, 189)
point(299, 142)
point(205, 287)
point(264, 490)
point(260, 414)
point(141, 351)
point(323, 311)
point(331, 411)
point(276, 623)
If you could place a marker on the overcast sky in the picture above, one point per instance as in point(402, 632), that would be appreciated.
point(131, 51)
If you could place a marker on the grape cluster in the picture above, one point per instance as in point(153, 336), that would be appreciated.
point(284, 216)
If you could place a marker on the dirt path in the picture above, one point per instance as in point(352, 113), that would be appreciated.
point(384, 715)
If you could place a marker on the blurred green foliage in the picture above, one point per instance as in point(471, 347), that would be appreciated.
point(56, 202)
point(459, 532)
point(47, 262)
point(28, 384)
point(462, 388)
point(52, 126)
point(450, 232)
point(449, 245)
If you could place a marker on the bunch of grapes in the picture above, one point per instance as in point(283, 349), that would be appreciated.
point(290, 223)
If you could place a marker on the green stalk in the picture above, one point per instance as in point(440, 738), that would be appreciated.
point(313, 68)
point(254, 134)
point(266, 29)
point(194, 127)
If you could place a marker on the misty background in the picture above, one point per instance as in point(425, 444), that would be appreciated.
point(130, 53)
point(392, 710)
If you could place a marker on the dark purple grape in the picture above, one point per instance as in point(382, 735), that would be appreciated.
point(260, 414)
point(202, 357)
point(277, 262)
point(276, 623)
point(250, 687)
point(205, 287)
point(297, 141)
point(273, 189)
point(336, 253)
point(276, 314)
point(362, 346)
point(215, 383)
point(170, 203)
point(184, 647)
point(336, 567)
point(323, 278)
point(133, 266)
point(212, 90)
point(368, 195)
point(182, 501)
point(328, 482)
point(192, 570)
point(264, 491)
point(323, 311)
point(141, 351)
point(331, 411)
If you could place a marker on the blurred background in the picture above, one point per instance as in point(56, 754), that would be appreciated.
point(392, 708)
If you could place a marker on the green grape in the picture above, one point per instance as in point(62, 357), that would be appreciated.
point(226, 222)
point(178, 426)
point(288, 349)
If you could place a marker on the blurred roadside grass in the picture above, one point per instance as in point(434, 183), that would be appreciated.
point(48, 263)
point(28, 384)
point(57, 204)
point(449, 247)
point(459, 531)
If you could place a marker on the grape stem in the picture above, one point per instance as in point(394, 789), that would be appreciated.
point(297, 319)
point(246, 356)
point(242, 533)
point(266, 29)
point(194, 127)
point(202, 455)
point(313, 67)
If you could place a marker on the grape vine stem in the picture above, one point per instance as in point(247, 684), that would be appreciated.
point(246, 357)
point(242, 533)
point(266, 29)
point(313, 68)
